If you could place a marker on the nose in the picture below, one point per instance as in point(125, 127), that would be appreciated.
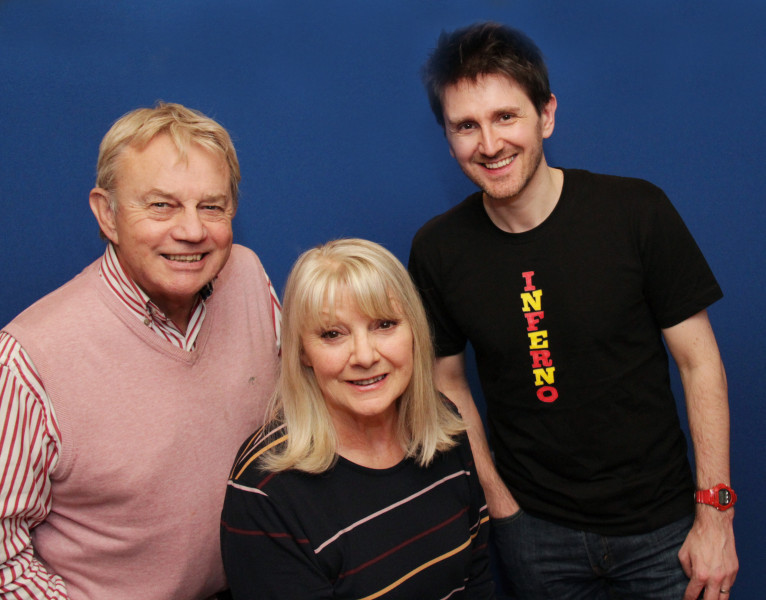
point(365, 352)
point(189, 227)
point(491, 142)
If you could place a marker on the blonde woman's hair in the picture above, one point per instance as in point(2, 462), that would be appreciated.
point(378, 283)
point(185, 126)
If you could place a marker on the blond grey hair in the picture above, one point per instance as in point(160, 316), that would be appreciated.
point(382, 289)
point(185, 126)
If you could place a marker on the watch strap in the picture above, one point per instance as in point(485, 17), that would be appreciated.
point(722, 497)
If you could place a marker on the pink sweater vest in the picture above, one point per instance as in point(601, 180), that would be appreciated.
point(149, 432)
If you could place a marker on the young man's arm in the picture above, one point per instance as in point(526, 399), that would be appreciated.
point(449, 373)
point(708, 555)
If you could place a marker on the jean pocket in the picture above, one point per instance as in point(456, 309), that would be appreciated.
point(505, 521)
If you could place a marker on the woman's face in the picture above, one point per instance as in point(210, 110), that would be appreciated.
point(362, 364)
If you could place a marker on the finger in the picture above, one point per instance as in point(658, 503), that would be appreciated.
point(686, 564)
point(715, 591)
point(694, 590)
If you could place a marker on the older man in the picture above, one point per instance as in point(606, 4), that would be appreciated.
point(125, 393)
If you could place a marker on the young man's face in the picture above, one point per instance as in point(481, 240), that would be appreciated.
point(495, 133)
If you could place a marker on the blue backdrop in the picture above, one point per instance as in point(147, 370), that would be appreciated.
point(335, 137)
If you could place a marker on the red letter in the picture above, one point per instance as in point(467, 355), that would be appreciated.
point(533, 318)
point(528, 277)
point(547, 394)
point(541, 358)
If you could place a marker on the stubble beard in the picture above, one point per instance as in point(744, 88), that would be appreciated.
point(513, 189)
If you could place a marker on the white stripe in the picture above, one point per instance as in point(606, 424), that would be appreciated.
point(29, 445)
point(388, 508)
point(276, 311)
point(453, 592)
point(138, 303)
point(245, 488)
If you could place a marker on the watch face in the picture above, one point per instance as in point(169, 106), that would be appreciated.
point(724, 497)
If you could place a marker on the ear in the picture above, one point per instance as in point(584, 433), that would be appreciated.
point(548, 117)
point(102, 210)
point(305, 359)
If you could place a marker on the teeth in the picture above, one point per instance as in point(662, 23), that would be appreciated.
point(369, 381)
point(500, 163)
point(184, 257)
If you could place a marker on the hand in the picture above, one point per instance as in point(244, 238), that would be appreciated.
point(708, 555)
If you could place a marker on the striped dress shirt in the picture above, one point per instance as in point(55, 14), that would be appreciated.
point(30, 440)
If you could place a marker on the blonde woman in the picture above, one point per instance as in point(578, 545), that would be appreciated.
point(363, 484)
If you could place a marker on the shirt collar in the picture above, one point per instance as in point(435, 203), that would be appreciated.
point(139, 303)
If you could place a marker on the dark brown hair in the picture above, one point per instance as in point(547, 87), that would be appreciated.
point(485, 49)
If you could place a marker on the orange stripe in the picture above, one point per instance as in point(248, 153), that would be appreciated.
point(257, 454)
point(414, 572)
point(245, 450)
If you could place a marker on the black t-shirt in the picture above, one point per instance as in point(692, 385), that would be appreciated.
point(403, 532)
point(566, 321)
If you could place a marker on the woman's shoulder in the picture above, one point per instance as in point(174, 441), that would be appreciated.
point(248, 467)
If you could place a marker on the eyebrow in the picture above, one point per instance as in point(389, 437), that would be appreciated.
point(507, 110)
point(154, 192)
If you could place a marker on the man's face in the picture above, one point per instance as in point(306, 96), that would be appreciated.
point(172, 227)
point(495, 133)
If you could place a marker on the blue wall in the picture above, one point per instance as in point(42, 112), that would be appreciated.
point(336, 139)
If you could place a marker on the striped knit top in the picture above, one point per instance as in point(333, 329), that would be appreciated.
point(405, 532)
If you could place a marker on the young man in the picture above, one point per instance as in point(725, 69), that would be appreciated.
point(566, 283)
point(125, 393)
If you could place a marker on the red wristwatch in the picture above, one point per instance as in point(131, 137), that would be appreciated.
point(720, 496)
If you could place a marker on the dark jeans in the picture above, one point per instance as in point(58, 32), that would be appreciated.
point(540, 560)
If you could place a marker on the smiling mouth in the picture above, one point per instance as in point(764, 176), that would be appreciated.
point(188, 258)
point(369, 381)
point(500, 163)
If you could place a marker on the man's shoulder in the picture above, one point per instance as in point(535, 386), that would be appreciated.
point(452, 220)
point(63, 302)
point(243, 268)
point(242, 257)
point(603, 184)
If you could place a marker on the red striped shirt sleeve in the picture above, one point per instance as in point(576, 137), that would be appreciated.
point(276, 310)
point(29, 446)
